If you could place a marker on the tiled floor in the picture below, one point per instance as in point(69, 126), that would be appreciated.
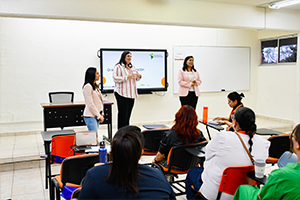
point(22, 171)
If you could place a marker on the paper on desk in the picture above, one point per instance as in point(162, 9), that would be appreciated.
point(96, 149)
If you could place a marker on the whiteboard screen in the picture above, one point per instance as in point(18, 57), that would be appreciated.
point(220, 68)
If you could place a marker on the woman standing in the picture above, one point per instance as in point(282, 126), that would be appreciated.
point(234, 102)
point(93, 111)
point(188, 80)
point(125, 76)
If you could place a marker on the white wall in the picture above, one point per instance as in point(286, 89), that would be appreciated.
point(278, 86)
point(39, 54)
point(42, 55)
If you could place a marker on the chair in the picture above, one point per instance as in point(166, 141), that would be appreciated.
point(73, 170)
point(179, 161)
point(61, 97)
point(152, 140)
point(61, 147)
point(233, 177)
point(279, 144)
point(287, 157)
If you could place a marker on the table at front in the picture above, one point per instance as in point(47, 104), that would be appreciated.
point(60, 115)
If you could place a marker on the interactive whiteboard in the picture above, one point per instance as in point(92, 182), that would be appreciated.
point(220, 68)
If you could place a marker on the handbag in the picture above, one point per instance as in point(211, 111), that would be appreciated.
point(251, 158)
point(86, 138)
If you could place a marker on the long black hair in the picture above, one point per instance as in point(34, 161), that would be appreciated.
point(126, 150)
point(184, 68)
point(246, 119)
point(90, 75)
point(236, 96)
point(122, 59)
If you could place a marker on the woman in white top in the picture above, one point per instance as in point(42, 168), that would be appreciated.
point(93, 111)
point(225, 150)
point(125, 76)
point(188, 80)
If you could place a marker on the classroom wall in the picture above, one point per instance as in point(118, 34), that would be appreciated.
point(47, 45)
point(278, 91)
point(42, 55)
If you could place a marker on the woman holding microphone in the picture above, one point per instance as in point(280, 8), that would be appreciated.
point(93, 112)
point(188, 80)
point(125, 76)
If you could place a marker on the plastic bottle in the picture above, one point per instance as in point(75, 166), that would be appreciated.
point(205, 114)
point(102, 153)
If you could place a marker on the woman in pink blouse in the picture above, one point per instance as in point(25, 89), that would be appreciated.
point(125, 76)
point(188, 80)
point(93, 111)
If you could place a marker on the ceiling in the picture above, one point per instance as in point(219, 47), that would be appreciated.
point(259, 3)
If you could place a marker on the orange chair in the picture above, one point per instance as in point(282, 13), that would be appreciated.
point(152, 140)
point(279, 144)
point(233, 177)
point(61, 147)
point(73, 170)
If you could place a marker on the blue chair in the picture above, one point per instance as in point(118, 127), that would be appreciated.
point(287, 157)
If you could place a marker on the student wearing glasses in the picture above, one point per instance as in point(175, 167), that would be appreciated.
point(282, 183)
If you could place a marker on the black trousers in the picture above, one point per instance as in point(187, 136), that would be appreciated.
point(191, 99)
point(125, 106)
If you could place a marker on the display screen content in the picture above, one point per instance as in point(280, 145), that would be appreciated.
point(150, 63)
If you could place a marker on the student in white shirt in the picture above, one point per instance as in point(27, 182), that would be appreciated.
point(125, 76)
point(225, 150)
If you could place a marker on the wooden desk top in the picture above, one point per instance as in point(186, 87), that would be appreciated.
point(69, 104)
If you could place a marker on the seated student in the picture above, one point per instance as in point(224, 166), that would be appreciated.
point(124, 178)
point(234, 102)
point(225, 150)
point(184, 131)
point(282, 183)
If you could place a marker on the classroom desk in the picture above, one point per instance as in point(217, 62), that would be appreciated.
point(154, 126)
point(198, 152)
point(216, 127)
point(60, 115)
point(47, 137)
point(266, 131)
point(263, 180)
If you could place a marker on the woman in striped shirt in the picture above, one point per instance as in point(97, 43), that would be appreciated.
point(125, 76)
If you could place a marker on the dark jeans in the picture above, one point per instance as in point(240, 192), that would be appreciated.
point(193, 178)
point(125, 106)
point(191, 99)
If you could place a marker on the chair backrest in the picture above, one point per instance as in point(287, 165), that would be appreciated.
point(233, 177)
point(287, 157)
point(153, 138)
point(180, 158)
point(61, 97)
point(74, 168)
point(279, 144)
point(61, 147)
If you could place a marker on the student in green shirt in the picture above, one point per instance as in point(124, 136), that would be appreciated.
point(283, 183)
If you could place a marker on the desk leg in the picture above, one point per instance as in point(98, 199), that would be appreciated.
point(47, 162)
point(109, 130)
point(208, 132)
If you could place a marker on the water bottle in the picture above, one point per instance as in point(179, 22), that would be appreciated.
point(102, 153)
